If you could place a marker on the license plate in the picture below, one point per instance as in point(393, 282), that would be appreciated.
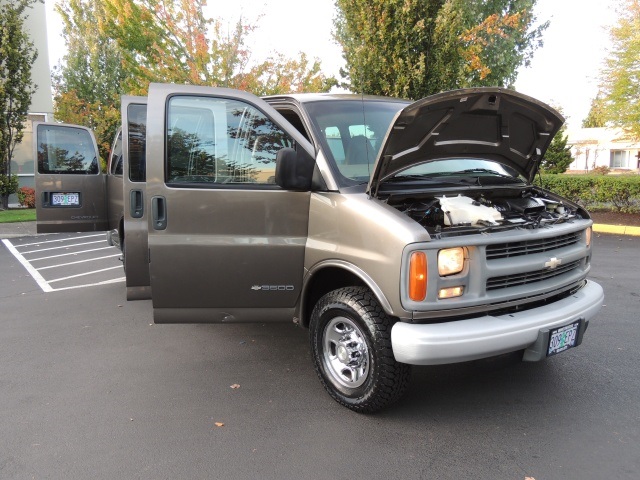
point(563, 338)
point(65, 199)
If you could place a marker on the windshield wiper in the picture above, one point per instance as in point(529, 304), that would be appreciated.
point(425, 177)
point(486, 170)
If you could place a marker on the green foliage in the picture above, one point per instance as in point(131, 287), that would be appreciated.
point(93, 63)
point(557, 158)
point(620, 78)
point(414, 48)
point(174, 42)
point(619, 192)
point(88, 86)
point(118, 47)
point(597, 116)
point(27, 197)
point(8, 185)
point(17, 55)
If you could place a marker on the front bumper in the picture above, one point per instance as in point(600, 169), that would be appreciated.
point(487, 336)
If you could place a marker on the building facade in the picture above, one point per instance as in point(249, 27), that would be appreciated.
point(603, 147)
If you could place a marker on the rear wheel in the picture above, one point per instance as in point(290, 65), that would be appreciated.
point(351, 346)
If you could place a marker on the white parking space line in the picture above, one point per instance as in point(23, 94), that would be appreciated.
point(45, 284)
point(61, 246)
point(58, 240)
point(83, 274)
point(106, 282)
point(70, 253)
point(79, 261)
point(32, 271)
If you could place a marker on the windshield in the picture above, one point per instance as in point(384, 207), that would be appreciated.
point(351, 133)
point(474, 167)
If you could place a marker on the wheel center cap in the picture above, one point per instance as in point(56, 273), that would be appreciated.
point(342, 353)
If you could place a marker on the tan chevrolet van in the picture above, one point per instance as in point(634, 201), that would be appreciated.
point(398, 233)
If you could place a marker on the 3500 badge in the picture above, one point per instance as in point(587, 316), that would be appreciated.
point(272, 288)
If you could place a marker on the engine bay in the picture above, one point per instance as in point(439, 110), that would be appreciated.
point(485, 211)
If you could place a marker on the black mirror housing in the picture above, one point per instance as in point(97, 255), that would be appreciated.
point(294, 170)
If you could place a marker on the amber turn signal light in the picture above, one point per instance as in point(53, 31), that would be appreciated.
point(418, 276)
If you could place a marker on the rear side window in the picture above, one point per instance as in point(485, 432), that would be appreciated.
point(115, 165)
point(66, 150)
point(221, 141)
point(137, 125)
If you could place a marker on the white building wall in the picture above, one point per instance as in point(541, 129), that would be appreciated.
point(598, 147)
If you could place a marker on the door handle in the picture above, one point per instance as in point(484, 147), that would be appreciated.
point(136, 204)
point(159, 213)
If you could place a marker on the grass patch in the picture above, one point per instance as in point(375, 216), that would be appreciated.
point(14, 215)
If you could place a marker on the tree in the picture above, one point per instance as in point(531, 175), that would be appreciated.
point(88, 86)
point(557, 158)
point(17, 55)
point(620, 78)
point(597, 116)
point(414, 48)
point(118, 47)
point(175, 42)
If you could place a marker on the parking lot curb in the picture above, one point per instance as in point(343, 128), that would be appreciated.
point(17, 229)
point(617, 229)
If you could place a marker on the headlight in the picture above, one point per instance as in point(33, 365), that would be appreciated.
point(450, 261)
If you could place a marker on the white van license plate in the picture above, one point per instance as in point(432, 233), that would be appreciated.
point(563, 338)
point(65, 199)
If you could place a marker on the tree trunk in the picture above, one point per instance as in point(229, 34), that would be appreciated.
point(4, 202)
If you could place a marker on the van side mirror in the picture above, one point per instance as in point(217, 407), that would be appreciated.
point(294, 170)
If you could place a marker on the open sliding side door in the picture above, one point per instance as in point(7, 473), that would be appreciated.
point(136, 234)
point(70, 189)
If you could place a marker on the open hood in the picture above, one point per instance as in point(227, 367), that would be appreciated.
point(492, 123)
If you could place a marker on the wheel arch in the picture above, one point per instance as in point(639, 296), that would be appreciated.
point(331, 275)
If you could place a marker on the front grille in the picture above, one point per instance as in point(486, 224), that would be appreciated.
point(515, 249)
point(517, 279)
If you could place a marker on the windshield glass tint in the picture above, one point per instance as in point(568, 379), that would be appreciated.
point(459, 166)
point(351, 133)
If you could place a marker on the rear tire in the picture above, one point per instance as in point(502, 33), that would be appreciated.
point(351, 345)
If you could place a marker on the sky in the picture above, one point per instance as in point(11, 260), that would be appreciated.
point(563, 73)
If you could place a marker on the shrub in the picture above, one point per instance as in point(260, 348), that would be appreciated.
point(8, 184)
point(27, 197)
point(601, 170)
point(618, 192)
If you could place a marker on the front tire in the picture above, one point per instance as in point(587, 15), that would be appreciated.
point(351, 345)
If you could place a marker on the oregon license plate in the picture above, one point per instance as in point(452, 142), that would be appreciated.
point(65, 199)
point(563, 338)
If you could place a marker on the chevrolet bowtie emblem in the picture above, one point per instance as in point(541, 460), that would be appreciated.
point(553, 263)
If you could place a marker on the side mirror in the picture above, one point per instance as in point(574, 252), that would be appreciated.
point(294, 170)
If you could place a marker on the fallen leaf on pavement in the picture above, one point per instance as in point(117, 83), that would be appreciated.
point(235, 385)
point(219, 424)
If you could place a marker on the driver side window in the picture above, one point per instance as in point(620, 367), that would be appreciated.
point(221, 141)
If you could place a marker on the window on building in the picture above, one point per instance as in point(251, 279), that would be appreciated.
point(619, 159)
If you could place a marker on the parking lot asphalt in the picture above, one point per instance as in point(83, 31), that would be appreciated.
point(90, 387)
point(67, 261)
